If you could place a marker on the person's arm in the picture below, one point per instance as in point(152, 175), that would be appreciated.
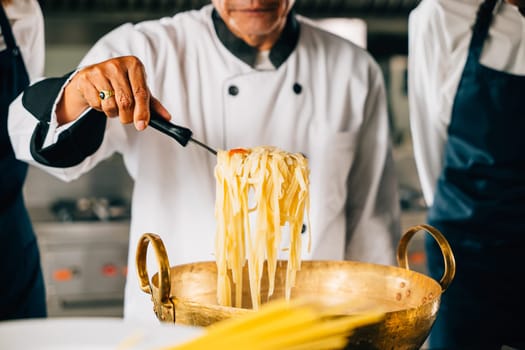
point(27, 24)
point(36, 117)
point(30, 124)
point(425, 83)
point(373, 206)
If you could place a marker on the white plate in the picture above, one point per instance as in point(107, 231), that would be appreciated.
point(90, 333)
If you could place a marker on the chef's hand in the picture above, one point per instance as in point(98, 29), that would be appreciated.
point(123, 76)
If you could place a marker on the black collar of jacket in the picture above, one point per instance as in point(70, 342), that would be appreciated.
point(279, 52)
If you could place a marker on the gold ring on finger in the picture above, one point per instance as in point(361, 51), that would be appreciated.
point(106, 94)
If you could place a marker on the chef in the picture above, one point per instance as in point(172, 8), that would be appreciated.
point(467, 92)
point(239, 74)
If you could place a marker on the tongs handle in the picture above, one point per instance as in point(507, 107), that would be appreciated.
point(181, 134)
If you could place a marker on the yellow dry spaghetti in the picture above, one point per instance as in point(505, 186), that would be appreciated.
point(278, 183)
point(283, 325)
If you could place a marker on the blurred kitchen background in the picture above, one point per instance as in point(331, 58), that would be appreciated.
point(82, 226)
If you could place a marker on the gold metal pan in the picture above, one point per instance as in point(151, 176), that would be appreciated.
point(187, 294)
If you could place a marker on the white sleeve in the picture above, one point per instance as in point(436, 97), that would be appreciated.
point(425, 82)
point(35, 56)
point(21, 123)
point(373, 205)
point(27, 24)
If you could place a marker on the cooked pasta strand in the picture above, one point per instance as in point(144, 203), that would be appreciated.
point(278, 183)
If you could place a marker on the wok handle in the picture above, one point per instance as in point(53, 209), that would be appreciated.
point(162, 304)
point(448, 256)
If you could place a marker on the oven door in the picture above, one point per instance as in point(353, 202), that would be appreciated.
point(84, 266)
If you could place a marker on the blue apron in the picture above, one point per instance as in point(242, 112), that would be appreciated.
point(22, 293)
point(480, 207)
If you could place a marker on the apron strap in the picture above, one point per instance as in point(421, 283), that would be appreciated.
point(481, 28)
point(7, 33)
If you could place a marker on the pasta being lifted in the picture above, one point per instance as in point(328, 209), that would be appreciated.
point(276, 186)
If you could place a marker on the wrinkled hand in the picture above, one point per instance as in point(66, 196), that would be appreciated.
point(125, 76)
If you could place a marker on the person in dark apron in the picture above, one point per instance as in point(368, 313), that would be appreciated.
point(480, 207)
point(22, 293)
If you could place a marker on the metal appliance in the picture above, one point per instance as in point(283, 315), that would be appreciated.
point(84, 263)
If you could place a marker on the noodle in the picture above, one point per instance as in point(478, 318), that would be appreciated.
point(278, 183)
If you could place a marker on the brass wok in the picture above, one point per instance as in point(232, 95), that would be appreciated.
point(186, 294)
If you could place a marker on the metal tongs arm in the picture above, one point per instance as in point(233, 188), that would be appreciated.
point(181, 134)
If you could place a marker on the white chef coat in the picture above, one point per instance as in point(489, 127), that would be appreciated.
point(439, 36)
point(338, 120)
point(27, 24)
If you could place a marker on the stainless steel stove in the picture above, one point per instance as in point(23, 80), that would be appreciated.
point(84, 261)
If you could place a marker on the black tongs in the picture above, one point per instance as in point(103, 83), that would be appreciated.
point(181, 134)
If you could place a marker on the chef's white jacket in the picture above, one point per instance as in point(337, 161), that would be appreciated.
point(439, 37)
point(337, 118)
point(27, 25)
